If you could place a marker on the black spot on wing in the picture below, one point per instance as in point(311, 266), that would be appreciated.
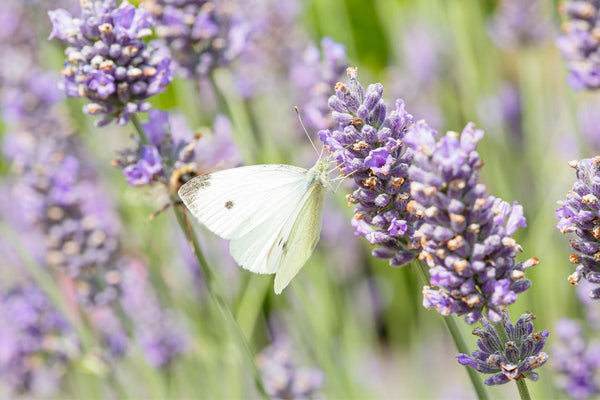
point(229, 204)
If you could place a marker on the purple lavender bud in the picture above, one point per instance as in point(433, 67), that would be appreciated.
point(466, 234)
point(578, 214)
point(202, 35)
point(517, 23)
point(282, 378)
point(579, 42)
point(576, 360)
point(367, 143)
point(108, 62)
point(510, 360)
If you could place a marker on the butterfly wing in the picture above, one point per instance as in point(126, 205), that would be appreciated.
point(248, 205)
point(302, 238)
point(234, 202)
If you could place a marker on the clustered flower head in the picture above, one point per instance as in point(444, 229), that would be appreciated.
point(36, 341)
point(520, 23)
point(580, 214)
point(580, 42)
point(367, 145)
point(465, 233)
point(283, 379)
point(576, 360)
point(201, 34)
point(108, 60)
point(173, 155)
point(511, 359)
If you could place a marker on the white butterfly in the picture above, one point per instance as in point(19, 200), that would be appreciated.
point(271, 213)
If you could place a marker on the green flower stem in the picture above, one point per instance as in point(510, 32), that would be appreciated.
point(221, 100)
point(254, 127)
point(459, 341)
point(217, 296)
point(523, 391)
point(214, 290)
point(139, 129)
point(521, 384)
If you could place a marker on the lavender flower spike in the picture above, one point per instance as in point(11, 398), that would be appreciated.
point(465, 233)
point(579, 214)
point(108, 60)
point(283, 379)
point(367, 144)
point(520, 23)
point(508, 360)
point(580, 42)
point(36, 341)
point(576, 360)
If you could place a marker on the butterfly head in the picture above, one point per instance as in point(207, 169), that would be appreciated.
point(319, 173)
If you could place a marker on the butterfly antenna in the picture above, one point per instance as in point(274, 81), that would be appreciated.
point(305, 131)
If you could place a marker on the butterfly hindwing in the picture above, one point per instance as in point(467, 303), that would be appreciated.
point(253, 250)
point(302, 238)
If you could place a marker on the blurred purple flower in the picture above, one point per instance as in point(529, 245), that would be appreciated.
point(588, 119)
point(283, 379)
point(367, 143)
point(465, 233)
point(108, 61)
point(36, 342)
point(275, 44)
point(503, 110)
point(520, 23)
point(511, 360)
point(576, 360)
point(578, 214)
point(174, 158)
point(111, 330)
point(160, 338)
point(60, 197)
point(579, 42)
point(201, 34)
point(313, 78)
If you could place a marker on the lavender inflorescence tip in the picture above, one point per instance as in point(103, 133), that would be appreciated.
point(507, 360)
point(367, 145)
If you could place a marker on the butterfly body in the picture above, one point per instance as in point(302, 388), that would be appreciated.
point(270, 213)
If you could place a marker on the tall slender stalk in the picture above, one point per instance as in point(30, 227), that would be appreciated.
point(214, 290)
point(459, 341)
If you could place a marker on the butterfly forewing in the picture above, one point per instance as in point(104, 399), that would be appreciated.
point(232, 203)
